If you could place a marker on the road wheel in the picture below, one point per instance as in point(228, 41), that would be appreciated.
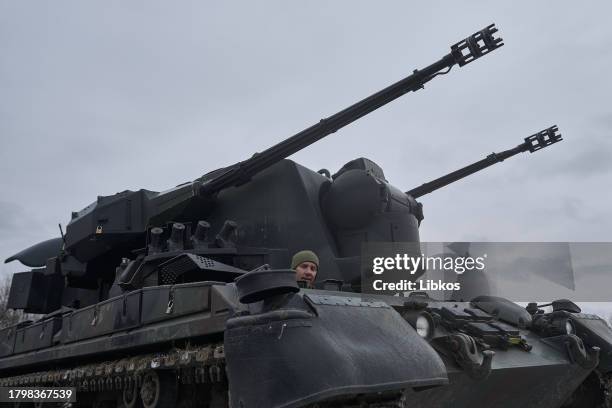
point(130, 396)
point(158, 389)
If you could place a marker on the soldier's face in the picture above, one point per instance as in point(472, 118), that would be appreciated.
point(306, 271)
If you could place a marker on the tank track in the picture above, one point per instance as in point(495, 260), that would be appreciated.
point(200, 364)
point(192, 367)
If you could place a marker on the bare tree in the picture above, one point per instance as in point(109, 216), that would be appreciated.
point(8, 317)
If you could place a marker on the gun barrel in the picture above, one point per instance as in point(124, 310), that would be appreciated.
point(532, 143)
point(462, 53)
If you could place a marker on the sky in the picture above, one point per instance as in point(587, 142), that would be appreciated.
point(99, 97)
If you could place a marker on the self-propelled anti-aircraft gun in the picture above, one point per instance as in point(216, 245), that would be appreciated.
point(147, 298)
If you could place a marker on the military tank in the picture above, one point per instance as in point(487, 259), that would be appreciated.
point(183, 297)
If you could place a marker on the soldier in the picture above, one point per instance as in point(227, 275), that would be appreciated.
point(306, 265)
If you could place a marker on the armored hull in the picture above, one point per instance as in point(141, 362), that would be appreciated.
point(315, 346)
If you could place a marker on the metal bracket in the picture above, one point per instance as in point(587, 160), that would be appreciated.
point(464, 350)
point(578, 353)
point(576, 350)
point(170, 306)
point(94, 321)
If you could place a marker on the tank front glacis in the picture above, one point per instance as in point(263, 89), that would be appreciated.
point(183, 296)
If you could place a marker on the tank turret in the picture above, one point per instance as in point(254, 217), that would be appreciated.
point(244, 205)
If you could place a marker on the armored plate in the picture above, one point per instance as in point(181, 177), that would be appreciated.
point(36, 336)
point(7, 340)
point(118, 313)
point(170, 301)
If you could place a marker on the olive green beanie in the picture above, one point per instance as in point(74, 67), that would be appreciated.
point(304, 256)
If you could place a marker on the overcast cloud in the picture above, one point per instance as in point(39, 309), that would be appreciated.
point(98, 97)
